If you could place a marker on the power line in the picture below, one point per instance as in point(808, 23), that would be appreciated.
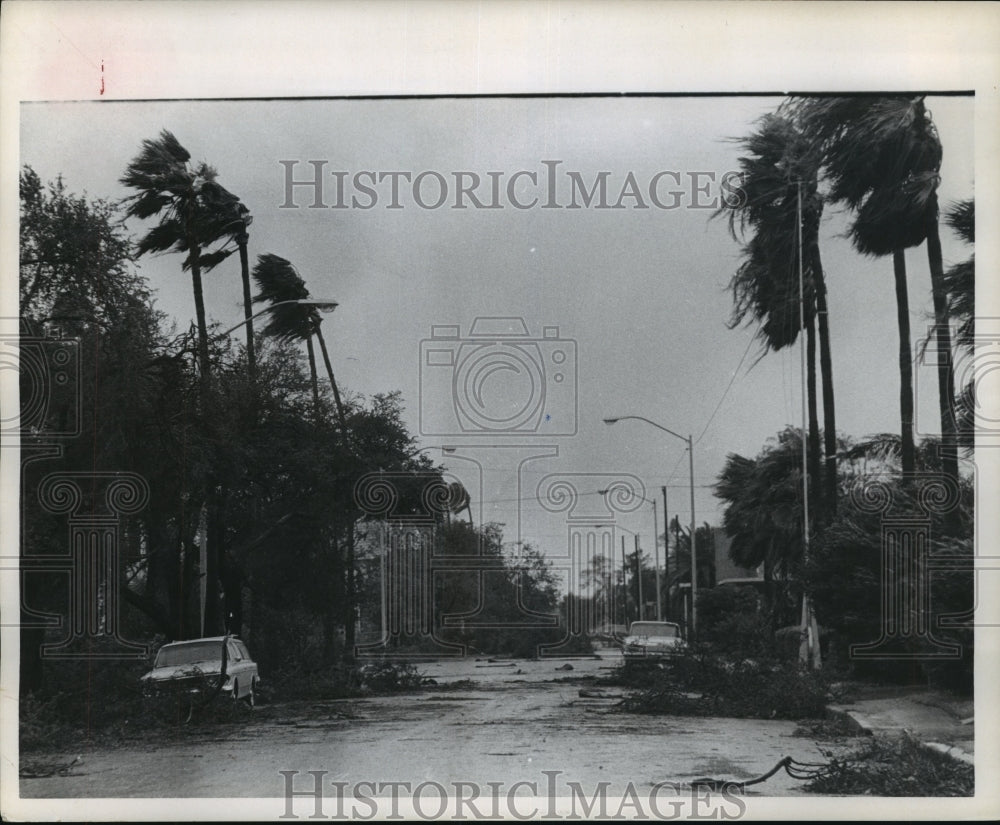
point(726, 391)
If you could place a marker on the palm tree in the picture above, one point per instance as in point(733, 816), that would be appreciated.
point(192, 212)
point(960, 283)
point(278, 282)
point(960, 279)
point(882, 156)
point(780, 194)
point(763, 513)
point(189, 202)
point(235, 220)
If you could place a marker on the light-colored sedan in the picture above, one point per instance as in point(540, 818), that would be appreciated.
point(651, 642)
point(197, 665)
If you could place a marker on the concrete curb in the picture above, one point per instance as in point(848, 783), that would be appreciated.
point(856, 721)
point(953, 751)
point(859, 723)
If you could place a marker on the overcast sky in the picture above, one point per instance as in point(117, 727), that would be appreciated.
point(641, 292)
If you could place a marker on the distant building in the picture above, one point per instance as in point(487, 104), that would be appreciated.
point(726, 572)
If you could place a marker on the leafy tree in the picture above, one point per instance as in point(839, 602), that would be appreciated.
point(844, 575)
point(78, 281)
point(733, 621)
point(75, 259)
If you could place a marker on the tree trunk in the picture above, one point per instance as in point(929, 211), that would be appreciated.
point(350, 601)
point(813, 453)
point(333, 382)
point(826, 369)
point(215, 521)
point(945, 367)
point(213, 608)
point(199, 308)
point(32, 673)
point(905, 362)
point(247, 307)
point(313, 376)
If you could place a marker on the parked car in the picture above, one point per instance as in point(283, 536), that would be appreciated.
point(197, 666)
point(651, 642)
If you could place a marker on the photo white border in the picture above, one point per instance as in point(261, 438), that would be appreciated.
point(167, 50)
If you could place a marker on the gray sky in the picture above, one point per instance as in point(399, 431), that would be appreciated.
point(641, 292)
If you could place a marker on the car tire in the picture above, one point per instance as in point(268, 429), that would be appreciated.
point(250, 696)
point(236, 691)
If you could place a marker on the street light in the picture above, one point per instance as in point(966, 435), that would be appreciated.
point(694, 552)
point(656, 548)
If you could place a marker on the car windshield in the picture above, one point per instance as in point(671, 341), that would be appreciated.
point(653, 629)
point(189, 654)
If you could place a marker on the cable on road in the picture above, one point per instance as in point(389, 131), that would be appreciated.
point(794, 768)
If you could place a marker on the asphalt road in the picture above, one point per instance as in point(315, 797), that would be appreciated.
point(513, 723)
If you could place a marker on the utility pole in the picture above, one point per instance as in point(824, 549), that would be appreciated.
point(638, 577)
point(656, 560)
point(666, 549)
point(624, 584)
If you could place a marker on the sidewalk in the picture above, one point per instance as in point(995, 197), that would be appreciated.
point(937, 719)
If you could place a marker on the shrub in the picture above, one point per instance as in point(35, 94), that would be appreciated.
point(895, 767)
point(390, 677)
point(703, 684)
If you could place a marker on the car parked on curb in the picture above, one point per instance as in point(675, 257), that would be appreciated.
point(197, 666)
point(651, 642)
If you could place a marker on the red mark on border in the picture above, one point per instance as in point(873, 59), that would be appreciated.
point(102, 77)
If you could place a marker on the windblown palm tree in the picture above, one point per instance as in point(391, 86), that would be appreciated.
point(882, 157)
point(763, 513)
point(960, 282)
point(778, 164)
point(193, 213)
point(278, 282)
point(235, 220)
point(191, 207)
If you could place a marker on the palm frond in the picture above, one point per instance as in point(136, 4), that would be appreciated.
point(881, 157)
point(961, 216)
point(278, 281)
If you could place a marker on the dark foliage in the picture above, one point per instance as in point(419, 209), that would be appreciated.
point(701, 683)
point(895, 767)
